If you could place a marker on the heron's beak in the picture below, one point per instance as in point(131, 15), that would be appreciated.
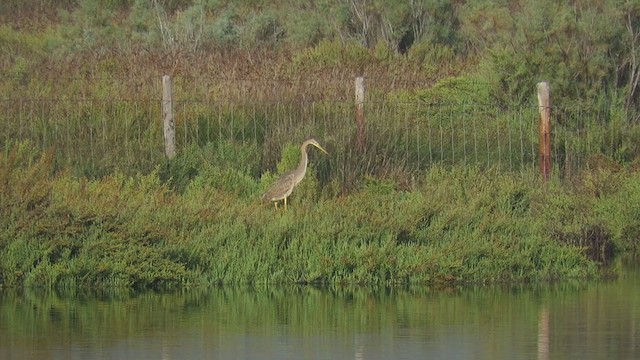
point(323, 150)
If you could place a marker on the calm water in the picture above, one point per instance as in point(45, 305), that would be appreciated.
point(596, 320)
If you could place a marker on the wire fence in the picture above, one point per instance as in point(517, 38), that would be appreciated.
point(95, 136)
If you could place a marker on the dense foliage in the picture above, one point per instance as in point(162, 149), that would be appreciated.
point(458, 225)
point(589, 50)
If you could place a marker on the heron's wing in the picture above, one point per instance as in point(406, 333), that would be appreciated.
point(281, 188)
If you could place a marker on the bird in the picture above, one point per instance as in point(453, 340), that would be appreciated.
point(282, 188)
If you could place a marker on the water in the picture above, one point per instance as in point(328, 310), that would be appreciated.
point(594, 320)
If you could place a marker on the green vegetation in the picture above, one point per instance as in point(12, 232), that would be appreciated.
point(458, 225)
point(588, 51)
point(443, 192)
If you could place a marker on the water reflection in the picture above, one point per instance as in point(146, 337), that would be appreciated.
point(543, 334)
point(589, 321)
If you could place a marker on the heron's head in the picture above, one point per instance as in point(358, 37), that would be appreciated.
point(315, 143)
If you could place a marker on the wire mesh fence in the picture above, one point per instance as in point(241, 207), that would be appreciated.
point(95, 136)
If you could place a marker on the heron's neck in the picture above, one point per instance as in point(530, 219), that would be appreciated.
point(304, 159)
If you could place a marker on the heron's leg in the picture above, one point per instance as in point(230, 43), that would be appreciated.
point(275, 203)
point(285, 203)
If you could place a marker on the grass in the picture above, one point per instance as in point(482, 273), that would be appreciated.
point(456, 225)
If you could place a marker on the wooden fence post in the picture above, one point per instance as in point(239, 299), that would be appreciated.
point(360, 128)
point(544, 107)
point(169, 125)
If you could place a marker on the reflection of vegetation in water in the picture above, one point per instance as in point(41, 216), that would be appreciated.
point(505, 317)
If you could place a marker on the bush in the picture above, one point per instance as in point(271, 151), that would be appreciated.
point(262, 29)
point(457, 225)
point(224, 29)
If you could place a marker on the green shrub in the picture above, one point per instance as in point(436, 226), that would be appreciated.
point(224, 29)
point(262, 29)
point(458, 90)
point(306, 29)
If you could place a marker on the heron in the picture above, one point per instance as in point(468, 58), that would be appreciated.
point(282, 188)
